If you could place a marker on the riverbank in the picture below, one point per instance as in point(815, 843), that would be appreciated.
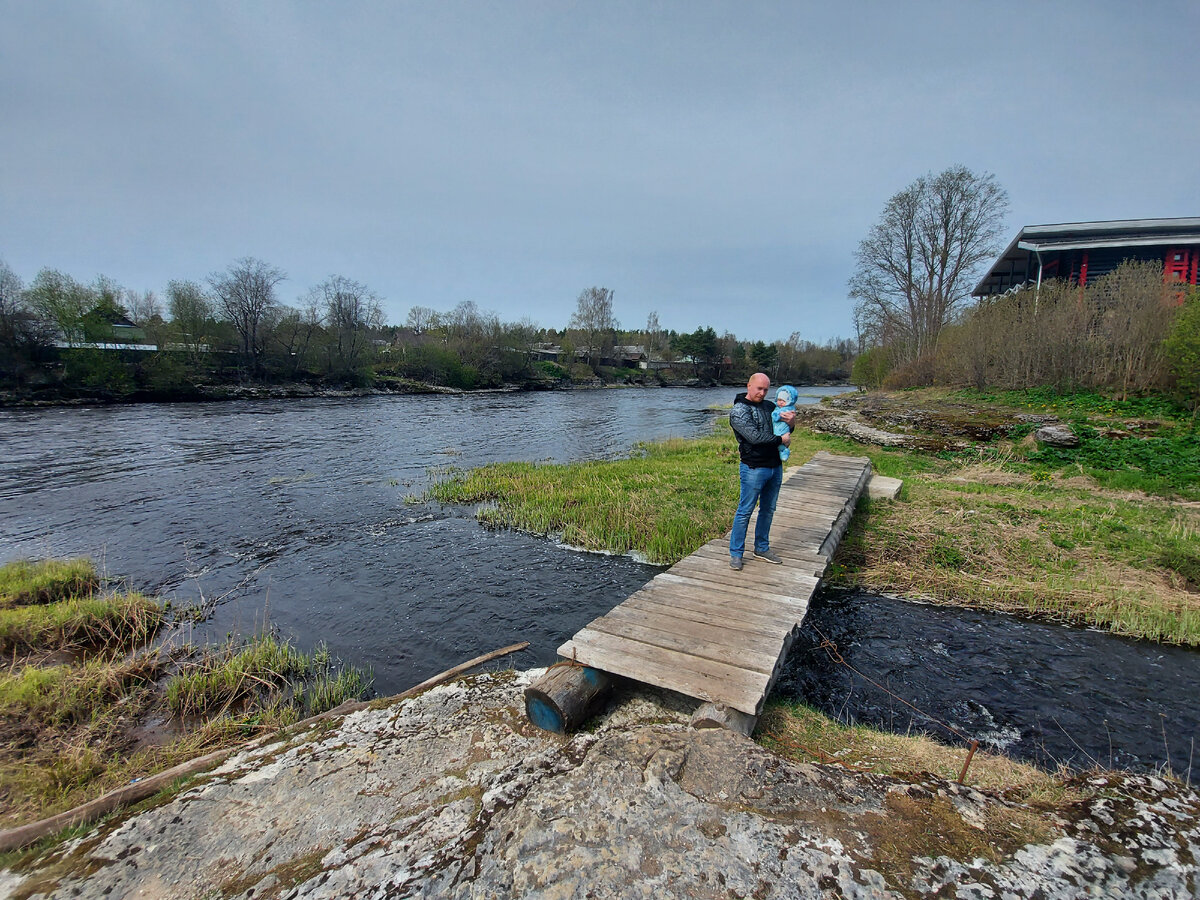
point(98, 689)
point(989, 517)
point(453, 794)
point(378, 387)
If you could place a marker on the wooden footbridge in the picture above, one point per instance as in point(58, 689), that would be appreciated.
point(706, 631)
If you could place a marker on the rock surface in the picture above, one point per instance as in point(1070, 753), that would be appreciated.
point(1057, 436)
point(454, 794)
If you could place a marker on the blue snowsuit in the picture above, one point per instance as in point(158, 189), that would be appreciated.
point(780, 426)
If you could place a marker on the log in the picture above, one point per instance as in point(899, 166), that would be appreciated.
point(718, 715)
point(564, 697)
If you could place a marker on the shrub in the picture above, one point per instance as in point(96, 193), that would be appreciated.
point(1182, 352)
point(871, 368)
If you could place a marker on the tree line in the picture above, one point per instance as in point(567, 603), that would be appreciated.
point(57, 333)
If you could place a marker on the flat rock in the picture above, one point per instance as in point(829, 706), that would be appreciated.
point(1056, 436)
point(454, 794)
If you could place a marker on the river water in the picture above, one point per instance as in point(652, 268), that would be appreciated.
point(305, 516)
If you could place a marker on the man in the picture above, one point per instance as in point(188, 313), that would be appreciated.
point(761, 469)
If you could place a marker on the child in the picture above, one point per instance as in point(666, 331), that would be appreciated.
point(785, 401)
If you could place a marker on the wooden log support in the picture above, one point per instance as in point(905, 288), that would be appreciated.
point(718, 715)
point(565, 696)
point(842, 522)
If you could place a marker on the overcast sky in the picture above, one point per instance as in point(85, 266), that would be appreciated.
point(714, 162)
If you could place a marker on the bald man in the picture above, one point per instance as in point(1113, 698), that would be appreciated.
point(761, 470)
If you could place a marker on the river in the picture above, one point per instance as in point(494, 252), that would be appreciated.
point(305, 516)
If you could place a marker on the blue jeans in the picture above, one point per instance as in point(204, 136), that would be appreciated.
point(759, 486)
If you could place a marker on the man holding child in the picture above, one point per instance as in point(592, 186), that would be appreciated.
point(761, 469)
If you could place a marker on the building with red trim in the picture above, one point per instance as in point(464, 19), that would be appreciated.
point(1082, 250)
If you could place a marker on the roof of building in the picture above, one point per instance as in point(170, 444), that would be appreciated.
point(1035, 239)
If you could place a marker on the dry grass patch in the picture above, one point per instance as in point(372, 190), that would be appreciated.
point(803, 734)
point(984, 536)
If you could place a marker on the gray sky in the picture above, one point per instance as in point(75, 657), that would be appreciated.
point(715, 162)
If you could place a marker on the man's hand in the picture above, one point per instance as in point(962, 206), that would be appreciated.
point(789, 418)
point(786, 437)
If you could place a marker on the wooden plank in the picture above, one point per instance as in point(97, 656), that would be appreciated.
point(698, 607)
point(736, 625)
point(781, 608)
point(715, 587)
point(692, 644)
point(755, 571)
point(800, 561)
point(708, 680)
point(777, 620)
point(764, 641)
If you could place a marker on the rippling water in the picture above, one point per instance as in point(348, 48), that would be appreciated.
point(302, 515)
point(1054, 694)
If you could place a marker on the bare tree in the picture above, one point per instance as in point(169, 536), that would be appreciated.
point(245, 292)
point(143, 307)
point(12, 305)
point(915, 267)
point(595, 322)
point(654, 334)
point(422, 318)
point(352, 311)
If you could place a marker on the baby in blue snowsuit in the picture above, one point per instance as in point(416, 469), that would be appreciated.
point(785, 401)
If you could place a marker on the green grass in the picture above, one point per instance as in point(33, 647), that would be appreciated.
point(661, 503)
point(116, 622)
point(1164, 466)
point(1083, 404)
point(27, 582)
point(64, 694)
point(1146, 444)
point(262, 681)
point(70, 732)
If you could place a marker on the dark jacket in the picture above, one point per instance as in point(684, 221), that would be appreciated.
point(758, 444)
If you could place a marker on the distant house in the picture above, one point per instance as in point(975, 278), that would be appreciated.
point(1082, 250)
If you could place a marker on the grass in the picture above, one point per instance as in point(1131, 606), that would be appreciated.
point(801, 733)
point(663, 502)
point(26, 582)
point(1146, 444)
point(119, 711)
point(116, 622)
point(262, 682)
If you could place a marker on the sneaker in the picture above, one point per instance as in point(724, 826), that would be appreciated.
point(767, 556)
point(735, 563)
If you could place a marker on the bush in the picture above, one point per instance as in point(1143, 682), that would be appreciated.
point(1107, 335)
point(871, 368)
point(1182, 352)
point(549, 369)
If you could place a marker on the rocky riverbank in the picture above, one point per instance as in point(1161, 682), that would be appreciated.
point(454, 794)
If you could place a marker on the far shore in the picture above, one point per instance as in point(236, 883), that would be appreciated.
point(303, 391)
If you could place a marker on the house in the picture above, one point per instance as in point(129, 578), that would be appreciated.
point(1082, 250)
